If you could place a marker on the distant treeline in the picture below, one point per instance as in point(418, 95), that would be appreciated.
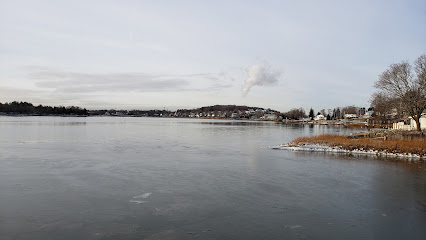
point(28, 108)
point(330, 114)
point(216, 111)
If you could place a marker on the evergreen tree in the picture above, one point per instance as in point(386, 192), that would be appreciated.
point(311, 114)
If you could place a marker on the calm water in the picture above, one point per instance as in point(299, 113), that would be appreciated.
point(150, 178)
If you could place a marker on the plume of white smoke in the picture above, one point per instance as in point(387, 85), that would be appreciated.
point(259, 75)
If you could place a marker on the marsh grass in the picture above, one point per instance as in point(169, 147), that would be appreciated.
point(401, 146)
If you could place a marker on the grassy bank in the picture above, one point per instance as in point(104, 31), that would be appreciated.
point(381, 144)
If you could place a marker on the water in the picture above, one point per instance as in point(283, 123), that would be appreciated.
point(152, 178)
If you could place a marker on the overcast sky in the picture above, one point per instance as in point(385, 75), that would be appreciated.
point(182, 54)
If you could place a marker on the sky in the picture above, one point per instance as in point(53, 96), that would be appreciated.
point(187, 54)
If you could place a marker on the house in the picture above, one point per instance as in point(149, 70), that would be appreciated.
point(350, 116)
point(319, 117)
point(368, 114)
point(410, 124)
point(270, 116)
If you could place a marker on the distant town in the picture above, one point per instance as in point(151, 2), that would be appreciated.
point(350, 116)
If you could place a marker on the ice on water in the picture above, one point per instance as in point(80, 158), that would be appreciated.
point(145, 195)
point(136, 201)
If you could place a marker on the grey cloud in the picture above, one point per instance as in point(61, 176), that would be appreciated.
point(46, 97)
point(122, 82)
point(7, 92)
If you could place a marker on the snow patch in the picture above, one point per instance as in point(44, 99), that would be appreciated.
point(328, 149)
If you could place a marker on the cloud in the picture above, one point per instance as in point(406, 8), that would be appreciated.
point(74, 82)
point(259, 75)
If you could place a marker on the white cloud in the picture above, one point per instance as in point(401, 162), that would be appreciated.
point(260, 75)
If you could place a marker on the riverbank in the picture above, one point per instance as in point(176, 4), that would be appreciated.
point(385, 143)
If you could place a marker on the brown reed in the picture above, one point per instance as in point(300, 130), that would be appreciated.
point(401, 146)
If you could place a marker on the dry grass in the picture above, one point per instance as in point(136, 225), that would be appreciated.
point(414, 146)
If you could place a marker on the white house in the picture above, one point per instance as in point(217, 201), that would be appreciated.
point(350, 115)
point(368, 114)
point(270, 116)
point(411, 124)
point(235, 115)
point(319, 117)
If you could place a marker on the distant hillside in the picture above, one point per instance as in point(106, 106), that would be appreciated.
point(228, 111)
point(223, 108)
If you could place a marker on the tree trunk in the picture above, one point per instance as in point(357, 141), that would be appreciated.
point(417, 119)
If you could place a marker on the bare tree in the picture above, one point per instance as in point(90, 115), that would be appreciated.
point(400, 83)
point(382, 105)
point(337, 113)
point(295, 113)
point(350, 110)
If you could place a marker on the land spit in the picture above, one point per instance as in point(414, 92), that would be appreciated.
point(410, 145)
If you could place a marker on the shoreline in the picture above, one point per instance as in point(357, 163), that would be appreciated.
point(397, 144)
point(318, 148)
point(333, 123)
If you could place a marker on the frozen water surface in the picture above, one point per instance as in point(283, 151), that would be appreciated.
point(154, 178)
